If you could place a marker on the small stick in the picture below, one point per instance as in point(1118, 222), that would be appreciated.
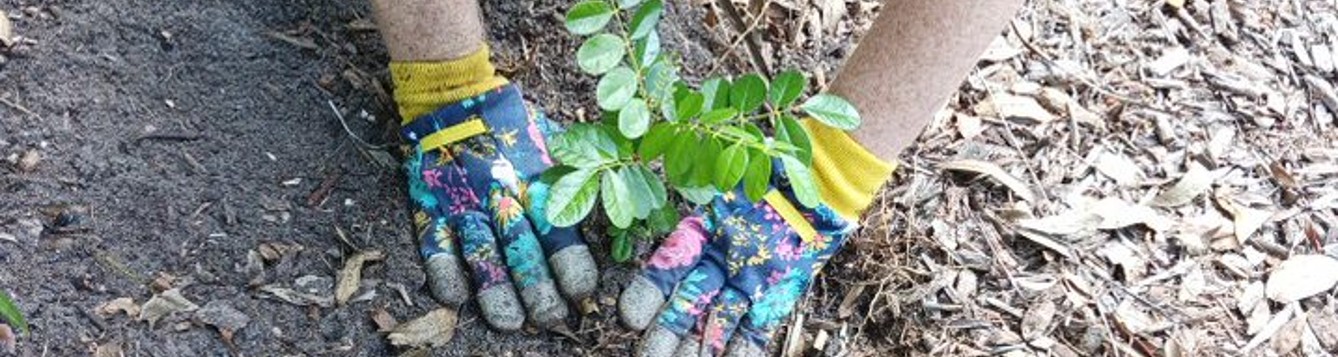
point(18, 107)
point(348, 131)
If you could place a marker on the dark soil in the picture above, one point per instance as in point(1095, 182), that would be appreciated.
point(176, 136)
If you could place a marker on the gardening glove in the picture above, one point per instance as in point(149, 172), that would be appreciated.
point(472, 167)
point(732, 272)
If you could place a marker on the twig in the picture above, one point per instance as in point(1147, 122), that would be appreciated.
point(18, 107)
point(729, 51)
point(168, 137)
point(348, 131)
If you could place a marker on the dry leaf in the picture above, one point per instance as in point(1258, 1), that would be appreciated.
point(6, 30)
point(1302, 276)
point(1289, 336)
point(1245, 220)
point(296, 297)
point(384, 322)
point(995, 172)
point(1037, 319)
point(351, 275)
point(1170, 59)
point(223, 316)
point(969, 126)
point(1193, 183)
point(119, 305)
point(164, 304)
point(1117, 213)
point(434, 329)
point(1000, 50)
point(109, 350)
point(1008, 106)
point(1119, 168)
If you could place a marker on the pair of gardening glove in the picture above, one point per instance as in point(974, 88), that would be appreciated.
point(724, 281)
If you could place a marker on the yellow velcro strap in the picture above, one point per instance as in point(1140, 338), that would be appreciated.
point(848, 175)
point(422, 87)
point(791, 215)
point(452, 134)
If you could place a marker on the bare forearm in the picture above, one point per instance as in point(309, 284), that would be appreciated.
point(916, 54)
point(429, 30)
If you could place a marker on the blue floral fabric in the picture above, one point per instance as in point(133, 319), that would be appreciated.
point(737, 263)
point(481, 190)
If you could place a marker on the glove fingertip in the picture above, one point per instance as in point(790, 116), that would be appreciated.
point(639, 303)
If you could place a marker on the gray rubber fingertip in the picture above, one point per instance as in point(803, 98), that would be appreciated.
point(659, 342)
point(574, 268)
point(740, 347)
point(501, 309)
point(639, 302)
point(690, 348)
point(545, 305)
point(446, 280)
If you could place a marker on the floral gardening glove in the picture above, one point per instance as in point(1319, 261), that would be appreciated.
point(734, 269)
point(472, 169)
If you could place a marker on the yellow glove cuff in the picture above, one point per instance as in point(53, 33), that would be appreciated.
point(421, 87)
point(848, 175)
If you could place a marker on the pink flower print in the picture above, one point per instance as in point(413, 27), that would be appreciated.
point(788, 251)
point(682, 247)
point(433, 178)
point(776, 275)
point(538, 138)
point(715, 334)
point(770, 214)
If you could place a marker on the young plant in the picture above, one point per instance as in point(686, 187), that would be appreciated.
point(704, 139)
point(10, 314)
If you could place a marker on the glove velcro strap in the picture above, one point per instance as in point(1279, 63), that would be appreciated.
point(466, 119)
point(452, 134)
point(791, 215)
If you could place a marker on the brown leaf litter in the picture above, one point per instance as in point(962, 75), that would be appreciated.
point(1167, 184)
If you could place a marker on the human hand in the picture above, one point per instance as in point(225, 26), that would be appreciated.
point(732, 272)
point(472, 169)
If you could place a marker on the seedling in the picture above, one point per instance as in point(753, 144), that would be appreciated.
point(658, 132)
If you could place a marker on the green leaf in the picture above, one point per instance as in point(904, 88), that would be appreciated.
point(689, 106)
point(658, 196)
point(647, 49)
point(704, 157)
point(552, 174)
point(748, 93)
point(628, 4)
point(622, 247)
point(678, 160)
point(715, 91)
point(757, 180)
point(833, 111)
point(719, 115)
point(589, 16)
point(730, 166)
point(786, 87)
point(614, 193)
point(698, 195)
point(11, 313)
point(639, 191)
point(660, 79)
point(583, 146)
point(601, 53)
point(643, 22)
point(801, 181)
point(634, 119)
point(571, 197)
point(663, 221)
point(656, 141)
point(616, 89)
point(789, 131)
